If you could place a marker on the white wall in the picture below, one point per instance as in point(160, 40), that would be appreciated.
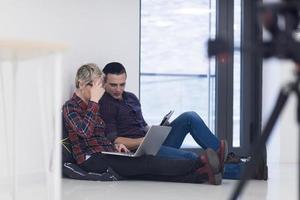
point(283, 145)
point(97, 31)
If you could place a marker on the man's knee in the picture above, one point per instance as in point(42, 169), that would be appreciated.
point(192, 115)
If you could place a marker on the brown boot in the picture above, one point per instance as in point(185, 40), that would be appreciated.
point(211, 167)
point(222, 153)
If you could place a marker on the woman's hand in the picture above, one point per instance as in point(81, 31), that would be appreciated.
point(121, 148)
point(97, 90)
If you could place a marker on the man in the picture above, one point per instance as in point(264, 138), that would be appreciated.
point(121, 111)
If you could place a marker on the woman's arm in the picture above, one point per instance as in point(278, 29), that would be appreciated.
point(83, 125)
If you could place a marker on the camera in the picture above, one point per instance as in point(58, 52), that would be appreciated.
point(281, 21)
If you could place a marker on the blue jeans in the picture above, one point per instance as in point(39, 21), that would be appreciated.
point(188, 122)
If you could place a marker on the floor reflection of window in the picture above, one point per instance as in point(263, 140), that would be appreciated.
point(175, 71)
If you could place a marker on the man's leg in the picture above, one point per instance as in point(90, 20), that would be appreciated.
point(173, 153)
point(191, 122)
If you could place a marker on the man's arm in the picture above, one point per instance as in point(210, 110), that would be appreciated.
point(130, 143)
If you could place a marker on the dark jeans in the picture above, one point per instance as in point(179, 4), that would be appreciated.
point(146, 168)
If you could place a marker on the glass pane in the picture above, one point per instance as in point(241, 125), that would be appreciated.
point(237, 75)
point(175, 71)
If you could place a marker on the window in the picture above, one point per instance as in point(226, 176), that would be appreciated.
point(175, 71)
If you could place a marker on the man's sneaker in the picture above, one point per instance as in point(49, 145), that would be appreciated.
point(222, 153)
point(211, 167)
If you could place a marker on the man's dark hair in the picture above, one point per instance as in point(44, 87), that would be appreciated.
point(114, 68)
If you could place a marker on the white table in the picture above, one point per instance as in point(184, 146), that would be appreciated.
point(15, 51)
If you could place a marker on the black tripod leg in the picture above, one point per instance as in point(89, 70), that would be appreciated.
point(258, 147)
point(298, 120)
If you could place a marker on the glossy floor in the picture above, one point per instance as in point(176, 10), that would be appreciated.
point(282, 184)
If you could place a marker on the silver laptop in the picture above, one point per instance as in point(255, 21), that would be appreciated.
point(151, 144)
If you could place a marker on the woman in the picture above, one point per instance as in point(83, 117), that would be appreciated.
point(86, 133)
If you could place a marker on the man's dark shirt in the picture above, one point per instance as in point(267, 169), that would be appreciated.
point(123, 118)
point(85, 128)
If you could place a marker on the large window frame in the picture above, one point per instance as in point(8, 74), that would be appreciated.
point(251, 76)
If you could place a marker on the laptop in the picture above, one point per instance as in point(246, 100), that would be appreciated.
point(151, 144)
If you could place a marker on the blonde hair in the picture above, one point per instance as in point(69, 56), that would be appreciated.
point(86, 73)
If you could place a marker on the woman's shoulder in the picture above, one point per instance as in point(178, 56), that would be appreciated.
point(71, 103)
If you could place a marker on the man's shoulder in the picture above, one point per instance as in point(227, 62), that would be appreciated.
point(106, 98)
point(131, 95)
point(107, 104)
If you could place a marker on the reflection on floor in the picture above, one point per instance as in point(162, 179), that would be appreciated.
point(282, 184)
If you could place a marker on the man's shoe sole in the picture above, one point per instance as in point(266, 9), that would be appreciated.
point(214, 162)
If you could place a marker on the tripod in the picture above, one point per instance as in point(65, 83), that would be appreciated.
point(284, 93)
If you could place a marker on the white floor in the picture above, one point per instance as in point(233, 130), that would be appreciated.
point(282, 184)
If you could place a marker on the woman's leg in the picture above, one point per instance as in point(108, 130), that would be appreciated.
point(155, 168)
point(144, 165)
point(173, 153)
point(147, 168)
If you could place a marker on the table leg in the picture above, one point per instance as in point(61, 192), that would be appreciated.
point(56, 155)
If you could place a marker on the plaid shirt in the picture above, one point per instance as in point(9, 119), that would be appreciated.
point(85, 128)
point(123, 118)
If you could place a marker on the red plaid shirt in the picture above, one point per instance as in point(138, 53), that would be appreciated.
point(85, 128)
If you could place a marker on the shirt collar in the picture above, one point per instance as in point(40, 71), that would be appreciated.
point(79, 101)
point(124, 97)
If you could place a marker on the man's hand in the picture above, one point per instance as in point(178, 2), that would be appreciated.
point(167, 123)
point(121, 148)
point(97, 90)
